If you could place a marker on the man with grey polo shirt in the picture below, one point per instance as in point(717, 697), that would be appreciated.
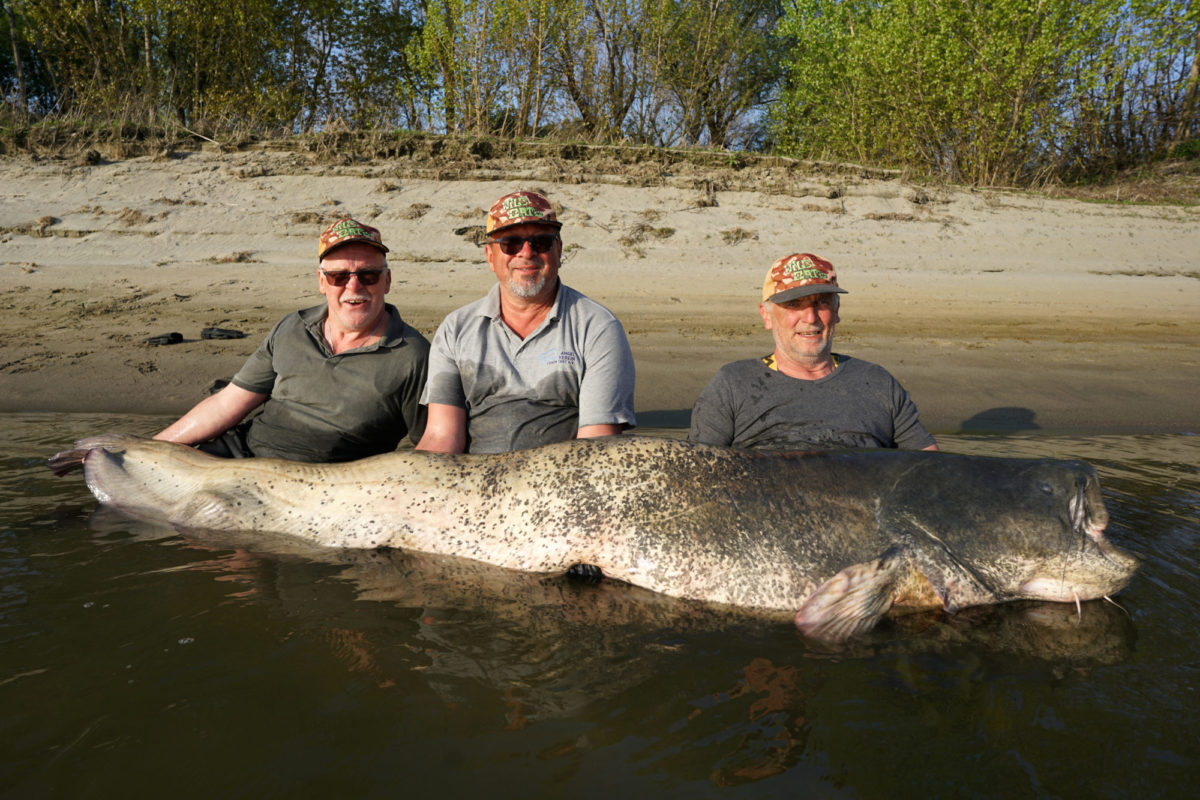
point(338, 381)
point(803, 396)
point(534, 361)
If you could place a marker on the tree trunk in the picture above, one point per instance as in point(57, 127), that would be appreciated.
point(20, 105)
point(1187, 110)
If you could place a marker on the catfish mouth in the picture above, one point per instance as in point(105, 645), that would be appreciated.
point(1061, 590)
point(1098, 570)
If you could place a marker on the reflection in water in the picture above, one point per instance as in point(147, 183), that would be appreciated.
point(261, 666)
point(773, 740)
point(549, 648)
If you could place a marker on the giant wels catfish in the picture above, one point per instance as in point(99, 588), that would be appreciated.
point(833, 540)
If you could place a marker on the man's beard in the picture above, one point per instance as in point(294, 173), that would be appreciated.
point(524, 289)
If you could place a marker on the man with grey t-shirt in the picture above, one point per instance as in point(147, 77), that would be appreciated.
point(532, 362)
point(803, 396)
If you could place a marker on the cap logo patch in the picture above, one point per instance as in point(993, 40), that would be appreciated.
point(519, 207)
point(804, 270)
point(348, 227)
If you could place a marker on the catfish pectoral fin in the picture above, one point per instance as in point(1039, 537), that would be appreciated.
point(851, 602)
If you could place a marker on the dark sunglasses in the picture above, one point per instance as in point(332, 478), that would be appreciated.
point(367, 277)
point(511, 245)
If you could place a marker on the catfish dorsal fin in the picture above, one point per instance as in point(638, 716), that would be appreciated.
point(851, 602)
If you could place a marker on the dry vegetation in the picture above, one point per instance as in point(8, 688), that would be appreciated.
point(433, 156)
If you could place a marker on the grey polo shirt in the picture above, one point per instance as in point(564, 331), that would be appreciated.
point(575, 369)
point(751, 406)
point(327, 407)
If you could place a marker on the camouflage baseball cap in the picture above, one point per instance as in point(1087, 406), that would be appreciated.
point(799, 275)
point(347, 231)
point(521, 208)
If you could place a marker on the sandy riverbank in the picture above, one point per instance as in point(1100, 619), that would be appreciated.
point(1035, 314)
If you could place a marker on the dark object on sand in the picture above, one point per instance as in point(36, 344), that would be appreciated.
point(221, 333)
point(165, 338)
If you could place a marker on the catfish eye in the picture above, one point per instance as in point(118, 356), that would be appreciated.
point(1046, 488)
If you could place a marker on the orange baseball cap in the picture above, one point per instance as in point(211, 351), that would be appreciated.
point(799, 275)
point(346, 231)
point(521, 208)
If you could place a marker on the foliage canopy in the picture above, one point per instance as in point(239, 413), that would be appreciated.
point(983, 91)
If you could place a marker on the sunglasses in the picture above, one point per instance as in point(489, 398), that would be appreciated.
point(511, 245)
point(367, 277)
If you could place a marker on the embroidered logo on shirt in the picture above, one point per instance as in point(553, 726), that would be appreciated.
point(558, 357)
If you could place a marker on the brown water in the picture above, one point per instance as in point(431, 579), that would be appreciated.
point(135, 662)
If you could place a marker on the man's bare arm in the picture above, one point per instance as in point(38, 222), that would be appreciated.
point(445, 429)
point(213, 415)
point(592, 431)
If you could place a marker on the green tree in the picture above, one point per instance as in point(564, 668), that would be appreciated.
point(525, 32)
point(458, 54)
point(14, 87)
point(597, 60)
point(1006, 91)
point(1138, 100)
point(721, 61)
point(378, 79)
point(490, 63)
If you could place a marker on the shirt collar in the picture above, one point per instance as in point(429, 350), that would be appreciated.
point(314, 321)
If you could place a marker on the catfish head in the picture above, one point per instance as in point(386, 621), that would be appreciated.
point(992, 530)
point(959, 531)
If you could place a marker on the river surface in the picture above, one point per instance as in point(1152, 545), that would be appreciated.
point(139, 662)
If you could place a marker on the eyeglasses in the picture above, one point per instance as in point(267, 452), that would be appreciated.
point(511, 245)
point(367, 277)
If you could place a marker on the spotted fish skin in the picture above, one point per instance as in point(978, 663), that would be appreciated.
point(833, 540)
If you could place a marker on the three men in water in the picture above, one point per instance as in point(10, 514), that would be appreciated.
point(532, 362)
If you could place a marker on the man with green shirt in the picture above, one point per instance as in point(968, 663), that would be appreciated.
point(337, 382)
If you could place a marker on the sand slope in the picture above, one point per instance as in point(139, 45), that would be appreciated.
point(1035, 314)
